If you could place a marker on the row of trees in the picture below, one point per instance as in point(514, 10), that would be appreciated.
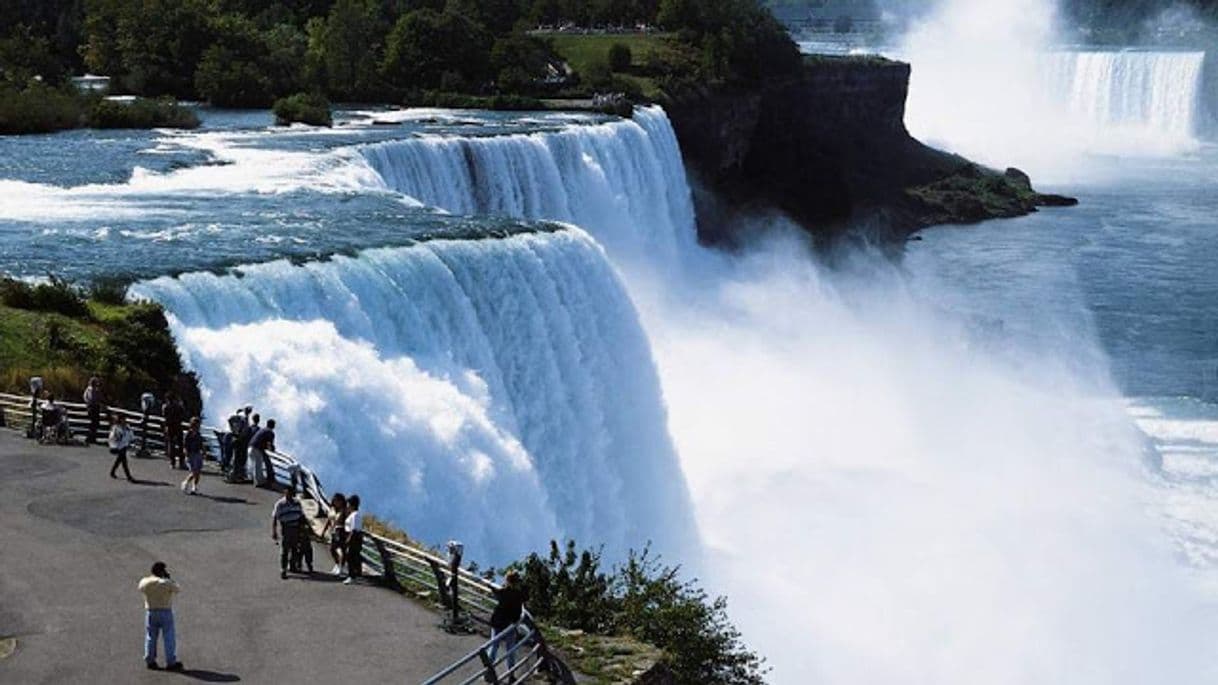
point(246, 53)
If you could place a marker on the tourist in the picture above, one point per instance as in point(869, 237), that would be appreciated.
point(508, 610)
point(120, 440)
point(236, 423)
point(56, 428)
point(241, 444)
point(353, 526)
point(159, 590)
point(289, 517)
point(302, 556)
point(174, 412)
point(94, 403)
point(263, 442)
point(334, 527)
point(193, 442)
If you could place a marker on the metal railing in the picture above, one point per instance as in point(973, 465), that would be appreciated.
point(468, 597)
point(526, 657)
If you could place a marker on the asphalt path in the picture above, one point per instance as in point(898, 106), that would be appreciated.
point(74, 543)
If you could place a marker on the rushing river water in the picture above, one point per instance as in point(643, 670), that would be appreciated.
point(995, 461)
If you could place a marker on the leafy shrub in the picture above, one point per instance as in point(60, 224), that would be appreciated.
point(56, 295)
point(645, 599)
point(141, 113)
point(306, 108)
point(620, 57)
point(108, 291)
point(38, 108)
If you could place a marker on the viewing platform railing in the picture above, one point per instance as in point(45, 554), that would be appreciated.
point(468, 597)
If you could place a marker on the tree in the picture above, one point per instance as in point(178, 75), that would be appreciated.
point(518, 60)
point(24, 56)
point(350, 44)
point(232, 72)
point(620, 57)
point(424, 45)
point(150, 46)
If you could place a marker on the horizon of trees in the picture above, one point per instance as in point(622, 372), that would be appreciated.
point(247, 53)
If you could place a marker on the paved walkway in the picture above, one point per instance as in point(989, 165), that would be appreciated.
point(73, 544)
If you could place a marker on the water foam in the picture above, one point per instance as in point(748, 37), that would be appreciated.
point(989, 82)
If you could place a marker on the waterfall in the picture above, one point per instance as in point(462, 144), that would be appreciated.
point(1154, 93)
point(498, 390)
point(623, 181)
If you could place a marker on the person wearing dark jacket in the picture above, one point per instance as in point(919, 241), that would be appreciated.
point(241, 447)
point(262, 443)
point(174, 413)
point(95, 402)
point(508, 611)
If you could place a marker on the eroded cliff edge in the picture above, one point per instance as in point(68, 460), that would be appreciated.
point(830, 149)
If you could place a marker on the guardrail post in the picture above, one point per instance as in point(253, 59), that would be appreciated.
point(441, 583)
point(488, 667)
point(387, 570)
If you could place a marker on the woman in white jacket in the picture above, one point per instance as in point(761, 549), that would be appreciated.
point(121, 438)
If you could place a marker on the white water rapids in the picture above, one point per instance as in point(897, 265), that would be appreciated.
point(887, 492)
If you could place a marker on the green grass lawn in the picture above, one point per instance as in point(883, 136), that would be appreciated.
point(582, 51)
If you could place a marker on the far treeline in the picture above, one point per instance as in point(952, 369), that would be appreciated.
point(249, 53)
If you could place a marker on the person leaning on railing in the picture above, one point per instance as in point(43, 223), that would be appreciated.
point(511, 598)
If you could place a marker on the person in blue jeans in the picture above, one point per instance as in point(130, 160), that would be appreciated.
point(159, 590)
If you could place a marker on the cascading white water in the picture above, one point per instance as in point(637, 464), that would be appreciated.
point(990, 82)
point(623, 181)
point(886, 495)
point(1145, 93)
point(500, 391)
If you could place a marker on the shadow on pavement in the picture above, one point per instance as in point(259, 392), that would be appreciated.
point(224, 500)
point(210, 676)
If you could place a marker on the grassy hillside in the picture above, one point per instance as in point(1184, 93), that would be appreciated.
point(588, 54)
point(66, 336)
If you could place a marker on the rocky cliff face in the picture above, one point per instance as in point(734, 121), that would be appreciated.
point(830, 149)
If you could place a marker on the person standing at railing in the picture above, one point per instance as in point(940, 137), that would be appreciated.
point(263, 442)
point(241, 446)
point(335, 529)
point(236, 423)
point(354, 527)
point(95, 401)
point(120, 440)
point(159, 590)
point(174, 413)
point(289, 517)
point(509, 608)
point(193, 442)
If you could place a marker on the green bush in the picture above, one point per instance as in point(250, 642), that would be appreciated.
point(306, 108)
point(141, 113)
point(620, 57)
point(108, 291)
point(38, 108)
point(56, 295)
point(647, 600)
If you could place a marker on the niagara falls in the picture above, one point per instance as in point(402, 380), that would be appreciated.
point(718, 342)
